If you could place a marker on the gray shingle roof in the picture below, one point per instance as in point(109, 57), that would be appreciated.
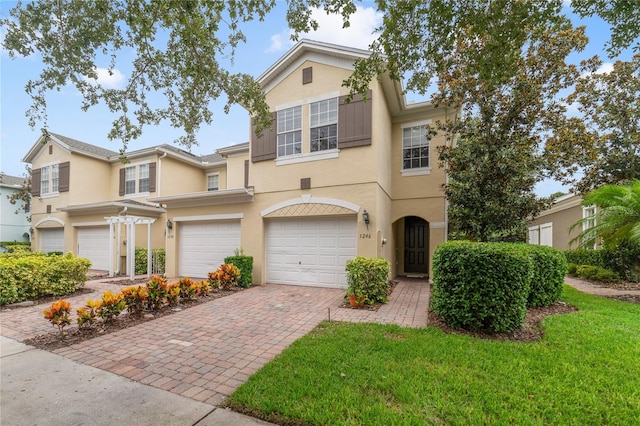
point(7, 180)
point(84, 147)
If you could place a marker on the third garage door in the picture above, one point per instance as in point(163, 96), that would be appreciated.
point(204, 245)
point(311, 252)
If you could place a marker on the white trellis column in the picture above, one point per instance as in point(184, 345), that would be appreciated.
point(131, 222)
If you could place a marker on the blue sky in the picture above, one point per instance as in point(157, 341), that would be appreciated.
point(266, 42)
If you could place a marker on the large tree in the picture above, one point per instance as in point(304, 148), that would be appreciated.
point(604, 142)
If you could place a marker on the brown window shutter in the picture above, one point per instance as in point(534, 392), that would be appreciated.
point(152, 177)
point(63, 175)
point(264, 147)
point(307, 75)
point(354, 121)
point(246, 173)
point(121, 189)
point(35, 182)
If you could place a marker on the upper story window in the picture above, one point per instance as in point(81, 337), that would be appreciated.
point(415, 147)
point(290, 131)
point(323, 121)
point(138, 179)
point(212, 182)
point(130, 180)
point(49, 179)
point(143, 178)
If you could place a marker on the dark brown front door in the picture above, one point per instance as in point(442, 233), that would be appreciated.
point(416, 240)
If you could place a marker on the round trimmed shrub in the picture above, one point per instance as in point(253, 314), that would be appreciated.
point(481, 286)
point(549, 270)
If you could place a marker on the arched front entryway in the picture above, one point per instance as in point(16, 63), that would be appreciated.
point(413, 238)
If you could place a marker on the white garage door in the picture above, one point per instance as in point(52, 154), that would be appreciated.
point(51, 239)
point(310, 252)
point(93, 244)
point(204, 245)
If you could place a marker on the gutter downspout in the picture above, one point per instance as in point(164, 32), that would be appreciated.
point(159, 175)
point(120, 213)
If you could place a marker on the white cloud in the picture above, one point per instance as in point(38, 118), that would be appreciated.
point(359, 34)
point(110, 79)
point(605, 68)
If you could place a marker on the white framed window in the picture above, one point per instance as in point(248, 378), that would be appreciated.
point(416, 140)
point(290, 131)
point(589, 216)
point(49, 179)
point(143, 178)
point(130, 180)
point(323, 122)
point(213, 182)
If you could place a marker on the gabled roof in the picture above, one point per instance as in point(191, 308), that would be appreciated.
point(342, 57)
point(73, 145)
point(11, 181)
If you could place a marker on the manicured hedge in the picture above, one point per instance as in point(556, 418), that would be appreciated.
point(549, 270)
point(623, 259)
point(368, 276)
point(245, 264)
point(31, 276)
point(157, 261)
point(481, 286)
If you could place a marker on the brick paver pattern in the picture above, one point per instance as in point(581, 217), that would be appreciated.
point(207, 351)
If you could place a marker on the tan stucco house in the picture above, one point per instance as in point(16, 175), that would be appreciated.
point(329, 181)
point(553, 226)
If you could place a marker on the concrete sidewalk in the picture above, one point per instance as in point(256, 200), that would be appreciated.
point(41, 388)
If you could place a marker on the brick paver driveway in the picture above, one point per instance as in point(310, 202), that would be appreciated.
point(205, 352)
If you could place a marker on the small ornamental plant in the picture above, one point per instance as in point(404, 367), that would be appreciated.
point(112, 305)
point(135, 297)
point(58, 315)
point(226, 276)
point(187, 288)
point(173, 294)
point(88, 315)
point(203, 288)
point(157, 290)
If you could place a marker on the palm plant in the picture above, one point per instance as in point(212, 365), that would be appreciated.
point(617, 216)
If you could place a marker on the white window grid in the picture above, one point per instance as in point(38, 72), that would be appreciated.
point(323, 117)
point(143, 178)
point(213, 182)
point(130, 180)
point(290, 131)
point(44, 180)
point(415, 147)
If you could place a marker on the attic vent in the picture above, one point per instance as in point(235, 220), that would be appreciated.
point(307, 75)
point(50, 149)
point(48, 208)
point(305, 183)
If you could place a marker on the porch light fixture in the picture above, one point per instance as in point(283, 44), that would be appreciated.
point(365, 217)
point(169, 224)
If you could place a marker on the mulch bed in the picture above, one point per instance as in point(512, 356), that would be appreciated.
point(531, 332)
point(74, 334)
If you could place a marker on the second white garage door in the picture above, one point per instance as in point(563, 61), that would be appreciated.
point(93, 244)
point(204, 245)
point(311, 252)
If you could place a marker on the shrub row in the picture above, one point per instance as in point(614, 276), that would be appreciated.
point(488, 286)
point(137, 300)
point(623, 259)
point(29, 277)
point(368, 277)
point(595, 273)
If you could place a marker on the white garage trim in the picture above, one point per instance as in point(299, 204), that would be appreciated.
point(229, 216)
point(93, 244)
point(310, 251)
point(51, 239)
point(203, 245)
point(308, 199)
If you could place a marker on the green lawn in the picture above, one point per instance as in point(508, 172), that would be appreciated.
point(585, 371)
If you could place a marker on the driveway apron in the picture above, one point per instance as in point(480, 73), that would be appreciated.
point(207, 351)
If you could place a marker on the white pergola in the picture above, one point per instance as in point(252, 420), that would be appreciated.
point(131, 222)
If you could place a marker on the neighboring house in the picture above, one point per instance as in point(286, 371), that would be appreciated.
point(328, 181)
point(552, 226)
point(13, 226)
